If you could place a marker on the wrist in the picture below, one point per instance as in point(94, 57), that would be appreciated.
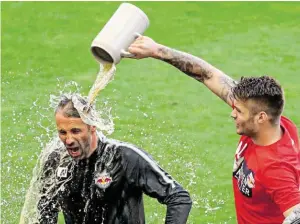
point(158, 51)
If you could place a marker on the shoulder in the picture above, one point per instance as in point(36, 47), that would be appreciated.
point(50, 159)
point(52, 151)
point(128, 149)
point(130, 153)
point(292, 130)
point(287, 122)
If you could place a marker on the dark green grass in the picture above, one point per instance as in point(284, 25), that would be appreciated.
point(184, 126)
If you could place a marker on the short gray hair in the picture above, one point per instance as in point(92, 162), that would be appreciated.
point(66, 106)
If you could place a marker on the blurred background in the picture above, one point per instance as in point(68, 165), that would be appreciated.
point(45, 49)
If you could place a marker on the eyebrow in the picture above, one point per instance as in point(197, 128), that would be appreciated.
point(237, 108)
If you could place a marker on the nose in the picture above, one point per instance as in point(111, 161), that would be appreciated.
point(233, 114)
point(69, 140)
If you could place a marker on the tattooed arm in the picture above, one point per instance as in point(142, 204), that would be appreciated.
point(218, 82)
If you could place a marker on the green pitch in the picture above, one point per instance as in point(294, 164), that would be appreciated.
point(184, 126)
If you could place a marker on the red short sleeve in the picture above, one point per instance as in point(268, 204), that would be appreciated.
point(281, 182)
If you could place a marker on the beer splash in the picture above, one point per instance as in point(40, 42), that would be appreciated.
point(105, 75)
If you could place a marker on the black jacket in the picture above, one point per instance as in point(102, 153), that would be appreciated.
point(108, 187)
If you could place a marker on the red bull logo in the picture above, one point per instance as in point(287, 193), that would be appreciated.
point(250, 181)
point(103, 181)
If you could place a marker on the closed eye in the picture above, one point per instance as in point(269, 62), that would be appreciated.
point(237, 109)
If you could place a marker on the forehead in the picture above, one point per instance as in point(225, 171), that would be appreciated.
point(63, 122)
point(239, 103)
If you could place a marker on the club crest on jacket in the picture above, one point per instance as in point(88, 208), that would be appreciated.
point(103, 180)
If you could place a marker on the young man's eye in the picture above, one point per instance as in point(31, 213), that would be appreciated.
point(237, 109)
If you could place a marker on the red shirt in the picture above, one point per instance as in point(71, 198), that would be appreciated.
point(266, 179)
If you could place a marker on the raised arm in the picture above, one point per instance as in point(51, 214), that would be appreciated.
point(217, 81)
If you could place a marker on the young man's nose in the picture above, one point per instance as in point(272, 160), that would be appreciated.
point(233, 114)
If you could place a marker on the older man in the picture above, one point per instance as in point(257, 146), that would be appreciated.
point(93, 179)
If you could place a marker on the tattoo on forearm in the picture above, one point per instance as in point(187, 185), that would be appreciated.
point(227, 84)
point(201, 71)
point(190, 65)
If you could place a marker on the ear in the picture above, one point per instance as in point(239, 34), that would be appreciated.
point(262, 117)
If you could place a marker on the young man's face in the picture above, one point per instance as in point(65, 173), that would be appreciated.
point(75, 134)
point(245, 121)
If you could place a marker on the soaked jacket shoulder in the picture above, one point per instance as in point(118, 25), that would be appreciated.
point(143, 173)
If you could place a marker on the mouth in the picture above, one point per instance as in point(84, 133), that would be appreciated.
point(74, 152)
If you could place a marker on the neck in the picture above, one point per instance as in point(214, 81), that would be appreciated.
point(268, 136)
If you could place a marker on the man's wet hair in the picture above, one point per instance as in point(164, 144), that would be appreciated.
point(67, 106)
point(266, 93)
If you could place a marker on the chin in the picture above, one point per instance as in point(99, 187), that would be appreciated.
point(239, 132)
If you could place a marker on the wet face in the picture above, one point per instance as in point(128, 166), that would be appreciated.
point(76, 135)
point(246, 122)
